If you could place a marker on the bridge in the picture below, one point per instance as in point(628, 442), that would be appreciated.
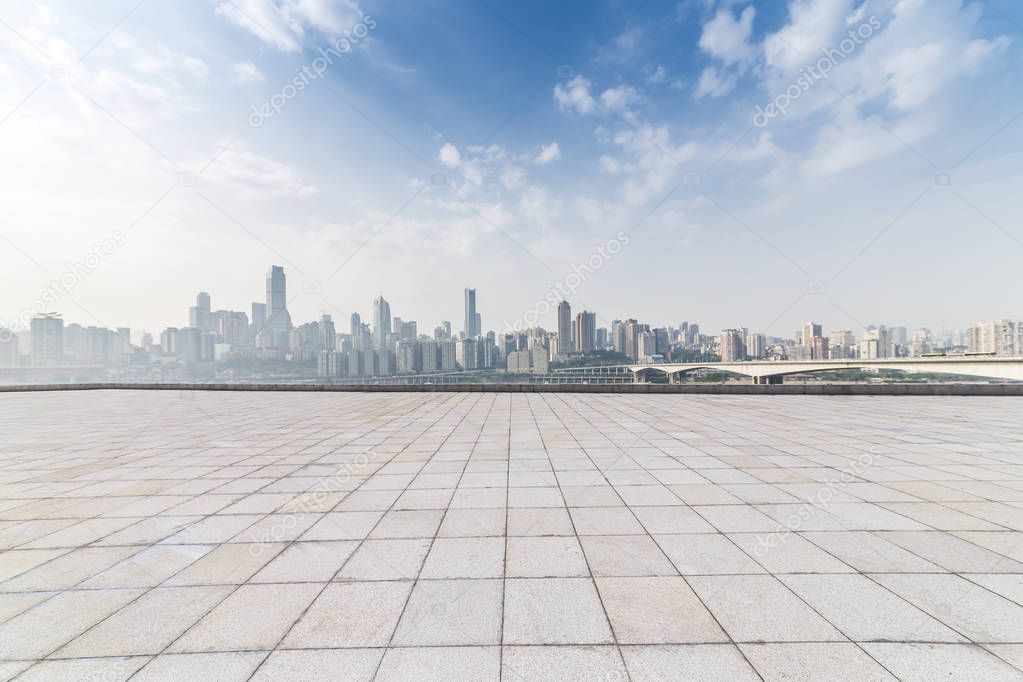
point(773, 371)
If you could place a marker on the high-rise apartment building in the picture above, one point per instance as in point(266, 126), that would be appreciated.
point(731, 345)
point(756, 346)
point(47, 336)
point(810, 330)
point(585, 332)
point(565, 344)
point(8, 348)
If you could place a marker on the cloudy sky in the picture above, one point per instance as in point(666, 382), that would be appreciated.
point(853, 162)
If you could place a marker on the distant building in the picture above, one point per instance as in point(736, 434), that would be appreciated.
point(756, 346)
point(585, 332)
point(278, 324)
point(731, 345)
point(381, 321)
point(472, 318)
point(8, 348)
point(565, 345)
point(466, 353)
point(47, 335)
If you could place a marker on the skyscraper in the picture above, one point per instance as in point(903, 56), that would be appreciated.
point(585, 332)
point(278, 324)
point(381, 321)
point(565, 344)
point(471, 317)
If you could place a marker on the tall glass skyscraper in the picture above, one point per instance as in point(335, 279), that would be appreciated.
point(381, 321)
point(278, 323)
point(472, 318)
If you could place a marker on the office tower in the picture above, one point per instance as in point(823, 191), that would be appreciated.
point(445, 325)
point(663, 341)
point(899, 335)
point(381, 321)
point(602, 338)
point(356, 328)
point(47, 340)
point(756, 346)
point(278, 323)
point(565, 344)
point(731, 345)
point(471, 316)
point(585, 332)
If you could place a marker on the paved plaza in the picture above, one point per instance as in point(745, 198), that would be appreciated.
point(158, 535)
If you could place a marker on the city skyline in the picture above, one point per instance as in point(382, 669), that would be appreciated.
point(875, 195)
point(271, 326)
point(274, 315)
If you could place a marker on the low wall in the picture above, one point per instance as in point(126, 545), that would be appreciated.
point(713, 389)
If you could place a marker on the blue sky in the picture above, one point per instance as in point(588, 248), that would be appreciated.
point(886, 193)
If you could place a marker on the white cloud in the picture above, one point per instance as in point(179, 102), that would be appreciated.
point(548, 153)
point(728, 38)
point(620, 100)
point(713, 84)
point(539, 207)
point(252, 176)
point(247, 72)
point(513, 177)
point(449, 155)
point(286, 24)
point(575, 96)
point(657, 76)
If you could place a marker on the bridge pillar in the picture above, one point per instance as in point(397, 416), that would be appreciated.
point(771, 380)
